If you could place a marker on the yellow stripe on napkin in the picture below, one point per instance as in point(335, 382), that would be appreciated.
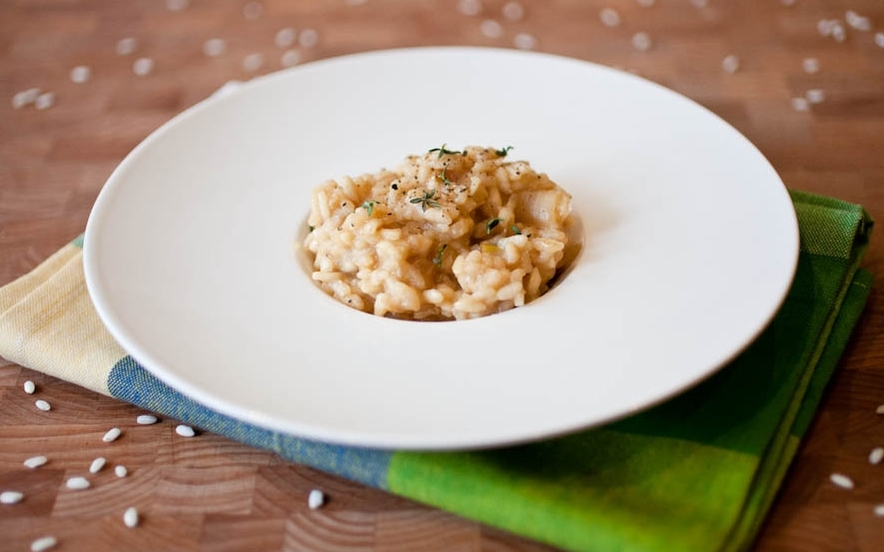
point(48, 323)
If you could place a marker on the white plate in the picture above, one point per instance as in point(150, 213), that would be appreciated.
point(690, 246)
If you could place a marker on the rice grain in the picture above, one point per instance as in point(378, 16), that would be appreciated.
point(146, 419)
point(43, 543)
point(841, 480)
point(97, 465)
point(10, 497)
point(130, 517)
point(25, 97)
point(78, 483)
point(30, 387)
point(45, 100)
point(876, 455)
point(184, 430)
point(112, 435)
point(469, 7)
point(641, 41)
point(35, 462)
point(315, 499)
point(126, 46)
point(43, 405)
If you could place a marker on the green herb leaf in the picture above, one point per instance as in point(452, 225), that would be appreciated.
point(442, 151)
point(426, 200)
point(445, 178)
point(492, 224)
point(503, 151)
point(516, 230)
point(437, 260)
point(368, 205)
point(311, 228)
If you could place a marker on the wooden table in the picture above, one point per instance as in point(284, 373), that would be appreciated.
point(216, 494)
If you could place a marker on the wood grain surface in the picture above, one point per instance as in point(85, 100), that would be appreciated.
point(214, 494)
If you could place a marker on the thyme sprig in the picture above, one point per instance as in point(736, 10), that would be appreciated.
point(437, 260)
point(426, 200)
point(445, 178)
point(503, 151)
point(492, 224)
point(442, 151)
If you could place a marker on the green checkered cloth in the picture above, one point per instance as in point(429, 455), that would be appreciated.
point(697, 473)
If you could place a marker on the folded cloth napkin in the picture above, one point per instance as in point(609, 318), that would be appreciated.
point(698, 472)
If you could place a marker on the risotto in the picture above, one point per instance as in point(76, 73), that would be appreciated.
point(446, 235)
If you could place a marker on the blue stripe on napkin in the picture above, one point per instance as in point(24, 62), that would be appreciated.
point(130, 382)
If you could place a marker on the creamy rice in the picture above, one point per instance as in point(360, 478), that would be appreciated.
point(445, 235)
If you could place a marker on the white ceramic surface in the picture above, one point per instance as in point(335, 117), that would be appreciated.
point(690, 246)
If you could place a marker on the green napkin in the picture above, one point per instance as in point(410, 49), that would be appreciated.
point(698, 472)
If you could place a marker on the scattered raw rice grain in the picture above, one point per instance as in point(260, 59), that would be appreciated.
point(112, 435)
point(857, 21)
point(214, 47)
point(30, 387)
point(146, 419)
point(641, 41)
point(838, 32)
point(810, 65)
point(308, 38)
point(80, 74)
point(78, 483)
point(880, 409)
point(11, 497)
point(815, 95)
point(126, 46)
point(876, 455)
point(879, 510)
point(525, 41)
point(43, 405)
point(315, 499)
point(609, 17)
point(253, 62)
point(45, 100)
point(469, 7)
point(841, 480)
point(43, 543)
point(177, 5)
point(25, 97)
point(800, 104)
point(35, 462)
point(142, 67)
point(879, 40)
point(97, 465)
point(290, 58)
point(490, 28)
point(285, 37)
point(513, 11)
point(184, 430)
point(730, 63)
point(252, 10)
point(825, 26)
point(121, 471)
point(130, 517)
